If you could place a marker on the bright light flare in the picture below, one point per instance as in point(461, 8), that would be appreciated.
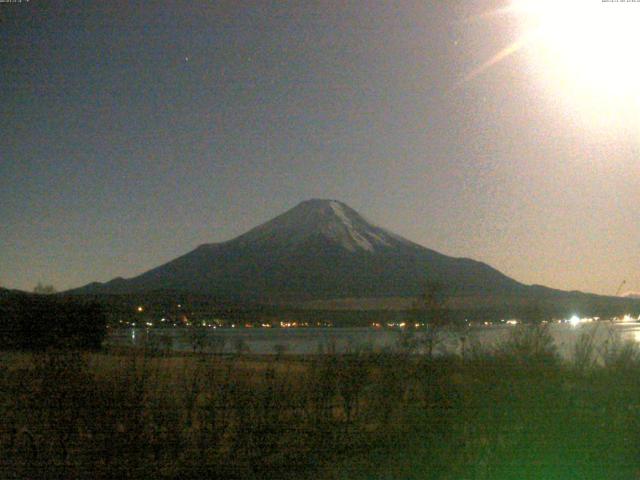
point(588, 47)
point(574, 321)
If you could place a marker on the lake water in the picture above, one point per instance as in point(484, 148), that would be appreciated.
point(266, 341)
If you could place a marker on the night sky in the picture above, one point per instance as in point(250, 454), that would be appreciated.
point(134, 131)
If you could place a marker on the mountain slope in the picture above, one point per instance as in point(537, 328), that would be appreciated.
point(319, 249)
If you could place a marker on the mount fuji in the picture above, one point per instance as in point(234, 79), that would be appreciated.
point(320, 249)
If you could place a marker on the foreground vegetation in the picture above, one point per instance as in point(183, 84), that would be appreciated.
point(37, 322)
point(515, 412)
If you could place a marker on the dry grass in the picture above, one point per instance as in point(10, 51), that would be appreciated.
point(516, 412)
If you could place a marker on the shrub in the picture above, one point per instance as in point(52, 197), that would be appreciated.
point(530, 345)
point(38, 322)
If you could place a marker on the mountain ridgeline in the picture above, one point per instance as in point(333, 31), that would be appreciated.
point(320, 249)
point(322, 254)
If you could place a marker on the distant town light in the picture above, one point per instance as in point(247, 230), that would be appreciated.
point(575, 320)
point(140, 309)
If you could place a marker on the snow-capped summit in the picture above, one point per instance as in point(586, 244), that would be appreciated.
point(330, 219)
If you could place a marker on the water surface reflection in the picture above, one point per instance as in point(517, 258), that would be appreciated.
point(325, 340)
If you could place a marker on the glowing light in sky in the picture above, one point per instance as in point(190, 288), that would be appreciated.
point(588, 49)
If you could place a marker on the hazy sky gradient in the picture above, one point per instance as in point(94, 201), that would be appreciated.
point(133, 132)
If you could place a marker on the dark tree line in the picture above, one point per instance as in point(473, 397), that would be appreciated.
point(38, 322)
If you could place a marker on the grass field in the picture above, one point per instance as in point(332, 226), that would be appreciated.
point(516, 412)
